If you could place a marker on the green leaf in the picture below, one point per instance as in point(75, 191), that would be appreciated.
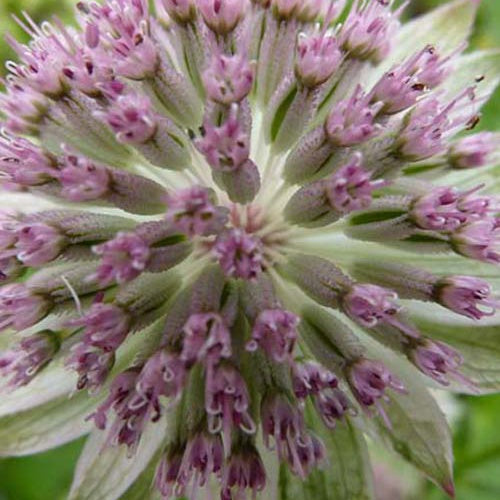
point(143, 487)
point(346, 475)
point(445, 28)
point(26, 478)
point(350, 473)
point(419, 432)
point(53, 382)
point(482, 65)
point(46, 426)
point(60, 420)
point(104, 472)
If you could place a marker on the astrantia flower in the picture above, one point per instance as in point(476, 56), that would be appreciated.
point(218, 263)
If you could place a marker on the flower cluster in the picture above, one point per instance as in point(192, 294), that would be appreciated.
point(249, 182)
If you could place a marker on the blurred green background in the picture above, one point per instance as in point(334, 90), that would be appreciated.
point(476, 422)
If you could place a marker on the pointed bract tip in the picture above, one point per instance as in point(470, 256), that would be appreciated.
point(449, 488)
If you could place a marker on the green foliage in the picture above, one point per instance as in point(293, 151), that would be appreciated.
point(40, 477)
point(477, 452)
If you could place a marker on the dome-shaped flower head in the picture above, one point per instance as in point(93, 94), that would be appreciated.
point(370, 304)
point(21, 363)
point(203, 455)
point(431, 123)
point(124, 28)
point(312, 379)
point(41, 62)
point(222, 16)
point(23, 107)
point(38, 243)
point(301, 10)
point(244, 472)
point(93, 365)
point(275, 331)
point(402, 86)
point(181, 10)
point(352, 121)
point(37, 166)
point(225, 147)
point(20, 307)
point(82, 179)
point(239, 254)
point(439, 361)
point(350, 187)
point(474, 151)
point(122, 258)
point(227, 401)
point(467, 295)
point(369, 380)
point(191, 211)
point(317, 59)
point(105, 326)
point(285, 425)
point(131, 118)
point(236, 231)
point(479, 240)
point(439, 210)
point(367, 32)
point(206, 338)
point(228, 79)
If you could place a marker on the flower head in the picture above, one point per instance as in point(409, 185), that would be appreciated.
point(468, 296)
point(312, 379)
point(191, 211)
point(20, 307)
point(443, 209)
point(439, 361)
point(222, 16)
point(479, 240)
point(369, 380)
point(370, 304)
point(402, 86)
point(474, 151)
point(352, 121)
point(181, 10)
point(239, 254)
point(285, 425)
point(228, 79)
point(202, 457)
point(317, 59)
point(211, 170)
point(275, 331)
point(82, 179)
point(350, 188)
point(368, 30)
point(26, 359)
point(431, 123)
point(227, 401)
point(244, 471)
point(122, 258)
point(106, 326)
point(226, 147)
point(131, 118)
point(206, 338)
point(37, 165)
point(38, 243)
